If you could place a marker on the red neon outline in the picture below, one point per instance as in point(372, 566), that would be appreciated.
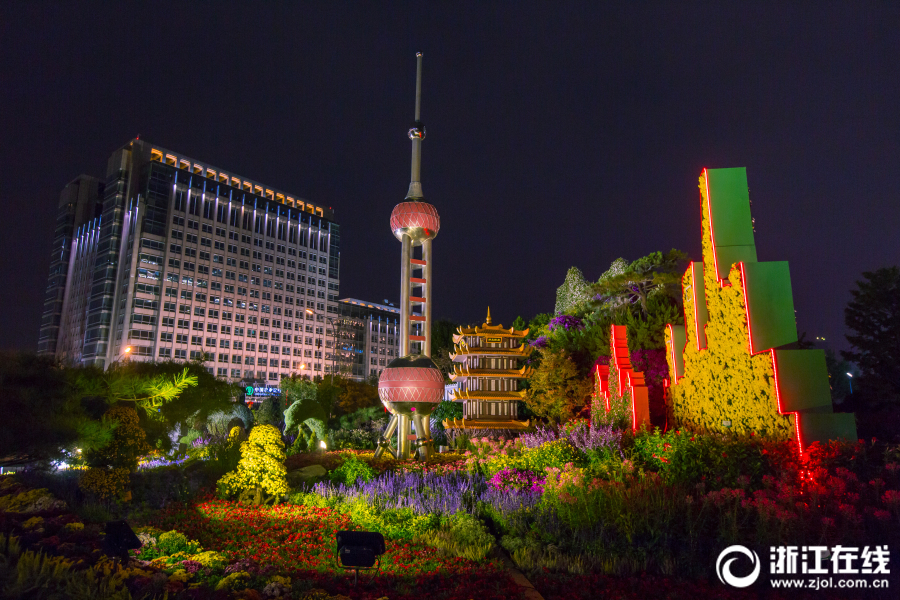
point(671, 331)
point(633, 411)
point(696, 311)
point(712, 235)
point(778, 400)
point(753, 352)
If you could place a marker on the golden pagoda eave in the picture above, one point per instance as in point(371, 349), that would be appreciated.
point(488, 396)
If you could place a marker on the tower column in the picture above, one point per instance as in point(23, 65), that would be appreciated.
point(405, 255)
point(426, 256)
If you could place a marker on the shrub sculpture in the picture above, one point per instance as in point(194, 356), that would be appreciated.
point(110, 466)
point(728, 368)
point(260, 477)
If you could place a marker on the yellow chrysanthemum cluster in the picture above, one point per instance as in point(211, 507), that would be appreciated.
point(261, 465)
point(105, 483)
point(724, 388)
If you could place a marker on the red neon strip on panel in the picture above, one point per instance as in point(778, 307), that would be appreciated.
point(778, 400)
point(712, 235)
point(674, 363)
point(747, 308)
point(696, 308)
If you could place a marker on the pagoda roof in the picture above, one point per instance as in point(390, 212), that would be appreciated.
point(463, 350)
point(487, 328)
point(488, 395)
point(462, 372)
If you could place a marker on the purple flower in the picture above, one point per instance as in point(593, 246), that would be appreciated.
point(540, 342)
point(568, 322)
point(517, 479)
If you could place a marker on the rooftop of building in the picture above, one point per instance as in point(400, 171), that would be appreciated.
point(223, 176)
point(373, 305)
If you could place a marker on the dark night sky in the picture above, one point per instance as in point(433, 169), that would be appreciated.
point(558, 134)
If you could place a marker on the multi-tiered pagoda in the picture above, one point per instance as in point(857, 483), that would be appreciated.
point(486, 367)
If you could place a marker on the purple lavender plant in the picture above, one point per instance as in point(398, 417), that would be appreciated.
point(541, 435)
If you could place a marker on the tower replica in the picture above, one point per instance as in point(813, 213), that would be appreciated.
point(486, 366)
point(412, 385)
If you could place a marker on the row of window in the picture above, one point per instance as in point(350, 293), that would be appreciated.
point(249, 374)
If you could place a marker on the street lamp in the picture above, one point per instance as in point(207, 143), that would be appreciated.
point(850, 375)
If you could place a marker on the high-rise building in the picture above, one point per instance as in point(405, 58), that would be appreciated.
point(368, 337)
point(172, 258)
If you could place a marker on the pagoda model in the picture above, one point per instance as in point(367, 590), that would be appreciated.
point(412, 386)
point(486, 366)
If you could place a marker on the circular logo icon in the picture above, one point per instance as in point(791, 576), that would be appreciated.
point(724, 570)
point(249, 389)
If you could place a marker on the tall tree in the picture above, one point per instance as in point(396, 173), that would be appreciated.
point(873, 317)
point(442, 332)
point(656, 273)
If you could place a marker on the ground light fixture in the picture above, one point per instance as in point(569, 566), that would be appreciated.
point(119, 540)
point(359, 550)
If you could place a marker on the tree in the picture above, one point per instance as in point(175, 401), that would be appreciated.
point(557, 388)
point(573, 294)
point(355, 395)
point(873, 317)
point(442, 332)
point(57, 409)
point(656, 273)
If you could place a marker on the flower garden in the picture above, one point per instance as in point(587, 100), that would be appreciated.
point(581, 511)
point(664, 429)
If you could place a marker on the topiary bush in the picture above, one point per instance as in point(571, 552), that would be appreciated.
point(260, 476)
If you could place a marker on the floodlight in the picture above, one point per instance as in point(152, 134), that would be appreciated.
point(359, 550)
point(119, 540)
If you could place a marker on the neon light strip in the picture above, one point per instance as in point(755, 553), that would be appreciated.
point(712, 235)
point(778, 400)
point(747, 308)
point(633, 410)
point(672, 344)
point(696, 309)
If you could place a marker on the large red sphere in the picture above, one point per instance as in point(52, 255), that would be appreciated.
point(411, 381)
point(418, 220)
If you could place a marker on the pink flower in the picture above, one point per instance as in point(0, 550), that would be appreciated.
point(882, 515)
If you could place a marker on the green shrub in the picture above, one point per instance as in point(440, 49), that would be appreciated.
point(462, 535)
point(550, 454)
point(173, 541)
point(351, 470)
point(682, 457)
point(270, 412)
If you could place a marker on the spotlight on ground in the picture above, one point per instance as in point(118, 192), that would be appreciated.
point(359, 550)
point(119, 540)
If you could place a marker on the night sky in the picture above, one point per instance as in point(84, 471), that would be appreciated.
point(557, 134)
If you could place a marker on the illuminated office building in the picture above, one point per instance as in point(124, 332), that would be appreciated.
point(171, 258)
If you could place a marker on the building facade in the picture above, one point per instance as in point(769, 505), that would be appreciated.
point(171, 258)
point(369, 337)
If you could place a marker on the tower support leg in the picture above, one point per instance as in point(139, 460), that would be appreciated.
point(384, 442)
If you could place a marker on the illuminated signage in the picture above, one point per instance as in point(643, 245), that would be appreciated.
point(493, 340)
point(262, 391)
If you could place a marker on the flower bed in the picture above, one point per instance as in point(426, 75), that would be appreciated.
point(299, 542)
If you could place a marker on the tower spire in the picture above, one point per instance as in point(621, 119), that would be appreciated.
point(488, 321)
point(417, 134)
